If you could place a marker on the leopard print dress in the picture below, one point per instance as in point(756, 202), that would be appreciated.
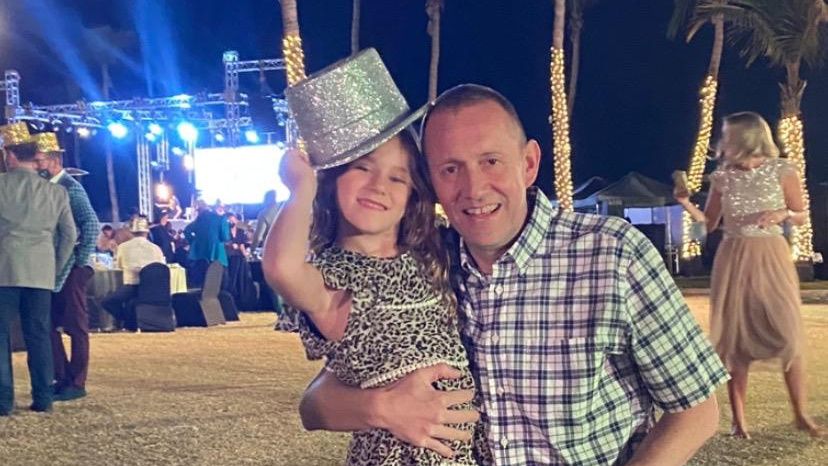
point(398, 323)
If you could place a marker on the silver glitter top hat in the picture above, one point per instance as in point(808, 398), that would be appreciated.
point(348, 109)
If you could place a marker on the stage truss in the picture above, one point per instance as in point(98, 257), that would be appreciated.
point(225, 113)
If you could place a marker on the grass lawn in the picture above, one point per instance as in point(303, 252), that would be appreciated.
point(227, 395)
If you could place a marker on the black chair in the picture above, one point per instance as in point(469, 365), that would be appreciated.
point(201, 308)
point(152, 308)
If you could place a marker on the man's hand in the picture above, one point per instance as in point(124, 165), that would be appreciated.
point(414, 411)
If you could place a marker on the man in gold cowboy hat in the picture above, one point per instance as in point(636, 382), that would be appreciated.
point(69, 310)
point(37, 236)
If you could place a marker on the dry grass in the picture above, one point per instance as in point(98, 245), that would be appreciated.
point(227, 395)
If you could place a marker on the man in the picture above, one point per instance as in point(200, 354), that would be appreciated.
point(206, 236)
point(69, 310)
point(574, 327)
point(37, 235)
point(160, 235)
point(270, 208)
point(132, 256)
point(122, 234)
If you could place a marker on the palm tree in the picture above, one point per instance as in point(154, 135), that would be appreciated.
point(787, 33)
point(683, 11)
point(433, 8)
point(291, 43)
point(561, 149)
point(355, 27)
point(576, 25)
point(105, 46)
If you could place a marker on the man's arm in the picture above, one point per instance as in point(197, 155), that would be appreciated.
point(411, 409)
point(87, 222)
point(677, 436)
point(674, 359)
point(66, 231)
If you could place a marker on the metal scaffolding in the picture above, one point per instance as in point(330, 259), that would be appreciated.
point(225, 113)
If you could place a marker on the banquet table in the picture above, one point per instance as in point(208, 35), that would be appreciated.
point(105, 281)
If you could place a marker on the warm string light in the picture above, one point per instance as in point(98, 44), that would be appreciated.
point(294, 66)
point(561, 149)
point(791, 138)
point(707, 99)
point(294, 58)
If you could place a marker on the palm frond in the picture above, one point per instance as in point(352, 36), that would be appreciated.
point(682, 13)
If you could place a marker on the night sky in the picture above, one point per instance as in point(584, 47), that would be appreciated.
point(636, 106)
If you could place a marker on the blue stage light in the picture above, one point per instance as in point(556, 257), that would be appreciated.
point(84, 132)
point(150, 137)
point(155, 129)
point(178, 151)
point(219, 137)
point(251, 136)
point(187, 132)
point(117, 129)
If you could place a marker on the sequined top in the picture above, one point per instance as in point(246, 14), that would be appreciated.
point(746, 194)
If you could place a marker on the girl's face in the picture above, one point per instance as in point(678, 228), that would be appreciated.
point(373, 191)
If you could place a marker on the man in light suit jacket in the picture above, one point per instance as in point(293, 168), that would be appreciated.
point(37, 236)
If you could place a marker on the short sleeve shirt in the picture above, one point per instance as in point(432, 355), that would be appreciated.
point(576, 337)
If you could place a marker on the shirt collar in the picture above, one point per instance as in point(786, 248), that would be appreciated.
point(530, 238)
point(57, 177)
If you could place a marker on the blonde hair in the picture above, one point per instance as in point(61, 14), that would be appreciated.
point(751, 135)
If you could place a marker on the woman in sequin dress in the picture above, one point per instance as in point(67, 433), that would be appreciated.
point(754, 296)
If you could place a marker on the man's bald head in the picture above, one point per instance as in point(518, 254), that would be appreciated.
point(466, 95)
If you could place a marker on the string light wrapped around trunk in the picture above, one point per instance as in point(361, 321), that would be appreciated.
point(561, 149)
point(791, 138)
point(294, 58)
point(707, 99)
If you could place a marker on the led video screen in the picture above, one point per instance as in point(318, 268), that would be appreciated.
point(239, 175)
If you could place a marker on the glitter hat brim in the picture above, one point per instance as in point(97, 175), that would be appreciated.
point(372, 143)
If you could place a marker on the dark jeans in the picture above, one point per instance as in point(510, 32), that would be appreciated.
point(33, 306)
point(115, 303)
point(69, 312)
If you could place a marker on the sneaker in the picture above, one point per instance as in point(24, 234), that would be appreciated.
point(70, 393)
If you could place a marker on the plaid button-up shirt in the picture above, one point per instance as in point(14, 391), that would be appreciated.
point(577, 335)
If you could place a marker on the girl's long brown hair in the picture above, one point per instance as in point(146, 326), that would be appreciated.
point(417, 234)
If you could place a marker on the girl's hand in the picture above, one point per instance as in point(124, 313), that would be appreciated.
point(681, 194)
point(296, 170)
point(772, 217)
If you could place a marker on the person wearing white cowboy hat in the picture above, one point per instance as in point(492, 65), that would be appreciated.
point(69, 311)
point(132, 256)
point(37, 236)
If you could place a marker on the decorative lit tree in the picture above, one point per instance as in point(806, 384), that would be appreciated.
point(434, 8)
point(561, 149)
point(787, 33)
point(291, 43)
point(685, 10)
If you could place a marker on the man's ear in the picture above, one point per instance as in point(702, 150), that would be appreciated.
point(531, 156)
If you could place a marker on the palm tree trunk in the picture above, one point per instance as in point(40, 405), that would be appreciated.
point(433, 9)
point(576, 24)
point(791, 137)
point(355, 27)
point(707, 101)
point(110, 165)
point(561, 149)
point(292, 43)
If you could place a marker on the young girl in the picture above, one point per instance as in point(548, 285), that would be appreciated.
point(374, 300)
point(754, 296)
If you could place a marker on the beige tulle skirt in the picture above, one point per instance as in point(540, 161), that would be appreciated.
point(755, 301)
